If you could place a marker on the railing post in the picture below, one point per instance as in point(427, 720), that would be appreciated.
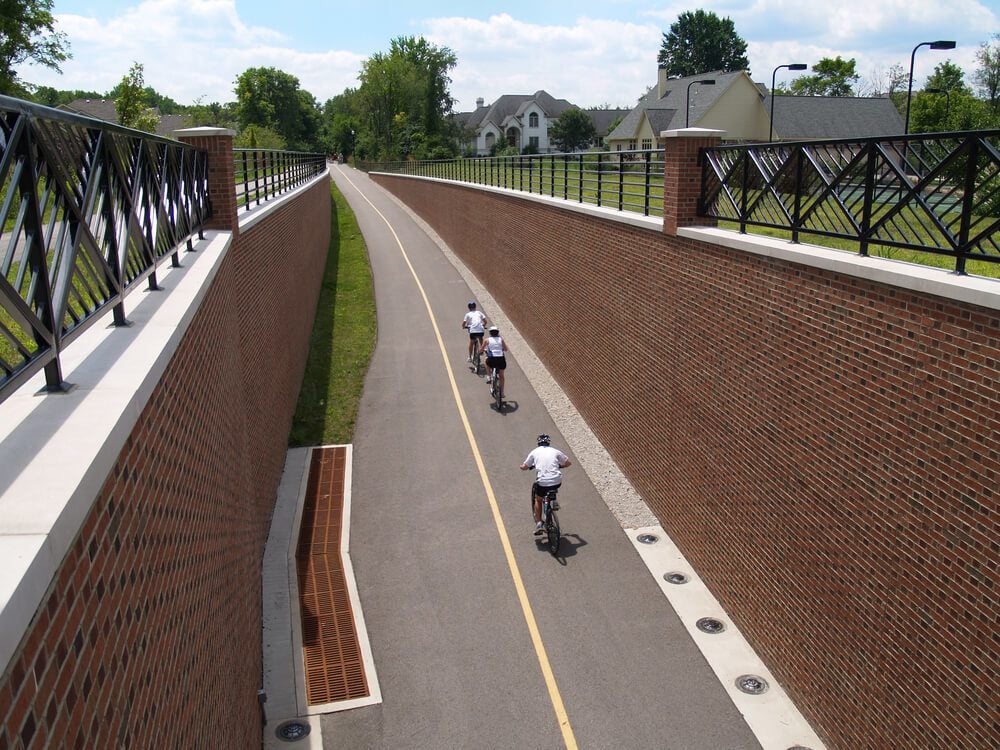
point(682, 176)
point(968, 203)
point(869, 199)
point(218, 143)
point(797, 204)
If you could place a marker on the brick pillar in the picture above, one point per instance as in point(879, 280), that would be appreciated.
point(218, 142)
point(682, 176)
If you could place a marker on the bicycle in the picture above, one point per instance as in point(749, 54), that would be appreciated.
point(477, 360)
point(495, 390)
point(550, 521)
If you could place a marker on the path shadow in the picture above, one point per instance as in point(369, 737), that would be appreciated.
point(568, 546)
point(507, 407)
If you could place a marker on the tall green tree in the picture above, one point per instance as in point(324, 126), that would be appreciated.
point(947, 76)
point(831, 77)
point(27, 32)
point(573, 130)
point(271, 98)
point(130, 103)
point(404, 103)
point(987, 75)
point(699, 42)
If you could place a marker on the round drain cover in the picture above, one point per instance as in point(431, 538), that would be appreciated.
point(710, 625)
point(675, 577)
point(647, 538)
point(752, 684)
point(291, 731)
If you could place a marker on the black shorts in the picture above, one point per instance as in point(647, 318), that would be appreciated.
point(498, 362)
point(540, 490)
point(476, 336)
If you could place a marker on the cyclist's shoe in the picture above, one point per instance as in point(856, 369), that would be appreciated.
point(539, 529)
point(469, 359)
point(489, 379)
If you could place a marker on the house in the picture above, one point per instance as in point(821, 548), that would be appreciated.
point(104, 109)
point(523, 120)
point(742, 108)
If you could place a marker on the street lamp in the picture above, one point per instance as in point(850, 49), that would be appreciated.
point(940, 44)
point(790, 66)
point(687, 103)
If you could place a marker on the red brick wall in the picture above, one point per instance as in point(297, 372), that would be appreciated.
point(824, 450)
point(150, 635)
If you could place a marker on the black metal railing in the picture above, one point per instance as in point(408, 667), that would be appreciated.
point(623, 180)
point(937, 193)
point(88, 210)
point(262, 174)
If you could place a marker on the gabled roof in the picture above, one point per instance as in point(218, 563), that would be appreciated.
point(667, 112)
point(512, 105)
point(603, 118)
point(819, 117)
point(104, 109)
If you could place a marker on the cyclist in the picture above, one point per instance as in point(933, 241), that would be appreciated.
point(495, 349)
point(547, 461)
point(474, 321)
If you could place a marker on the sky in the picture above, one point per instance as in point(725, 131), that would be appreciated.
point(590, 53)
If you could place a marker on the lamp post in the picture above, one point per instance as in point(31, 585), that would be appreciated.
point(790, 66)
point(687, 103)
point(940, 44)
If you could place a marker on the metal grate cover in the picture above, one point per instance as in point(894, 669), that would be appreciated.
point(334, 669)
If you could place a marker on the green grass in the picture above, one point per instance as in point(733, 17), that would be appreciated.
point(343, 338)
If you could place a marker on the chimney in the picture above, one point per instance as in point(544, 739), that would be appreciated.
point(661, 81)
point(479, 102)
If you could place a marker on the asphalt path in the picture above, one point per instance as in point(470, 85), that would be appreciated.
point(481, 638)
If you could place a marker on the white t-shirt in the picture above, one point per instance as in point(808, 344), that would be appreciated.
point(474, 320)
point(494, 346)
point(546, 459)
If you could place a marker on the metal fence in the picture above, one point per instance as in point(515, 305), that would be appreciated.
point(262, 174)
point(88, 210)
point(623, 180)
point(937, 193)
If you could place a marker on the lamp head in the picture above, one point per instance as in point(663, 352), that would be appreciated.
point(707, 82)
point(943, 44)
point(797, 66)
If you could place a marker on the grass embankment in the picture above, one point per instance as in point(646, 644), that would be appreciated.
point(343, 338)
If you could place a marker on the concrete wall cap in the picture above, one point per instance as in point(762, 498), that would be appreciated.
point(203, 132)
point(693, 133)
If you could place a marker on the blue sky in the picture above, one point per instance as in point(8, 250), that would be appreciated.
point(591, 53)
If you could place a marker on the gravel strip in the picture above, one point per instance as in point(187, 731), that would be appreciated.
point(617, 492)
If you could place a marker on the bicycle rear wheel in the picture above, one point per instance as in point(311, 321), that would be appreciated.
point(495, 390)
point(552, 532)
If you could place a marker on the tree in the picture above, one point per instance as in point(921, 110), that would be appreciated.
point(271, 98)
point(130, 104)
point(573, 130)
point(831, 77)
point(403, 102)
point(883, 82)
point(987, 75)
point(947, 76)
point(699, 42)
point(27, 33)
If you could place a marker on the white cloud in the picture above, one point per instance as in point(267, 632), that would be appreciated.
point(589, 62)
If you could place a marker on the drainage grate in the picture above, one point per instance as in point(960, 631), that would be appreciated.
point(752, 684)
point(292, 731)
point(675, 578)
point(647, 538)
point(710, 625)
point(334, 670)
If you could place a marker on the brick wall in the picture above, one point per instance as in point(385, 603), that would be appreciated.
point(824, 450)
point(150, 635)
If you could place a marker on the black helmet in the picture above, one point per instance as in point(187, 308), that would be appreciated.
point(472, 305)
point(543, 439)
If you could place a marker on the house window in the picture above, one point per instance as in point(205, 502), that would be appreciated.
point(600, 141)
point(647, 144)
point(533, 141)
point(618, 147)
point(533, 120)
point(631, 145)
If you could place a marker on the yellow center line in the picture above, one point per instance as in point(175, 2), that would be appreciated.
point(543, 660)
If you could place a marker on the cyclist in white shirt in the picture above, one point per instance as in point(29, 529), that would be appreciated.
point(548, 462)
point(475, 322)
point(495, 349)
